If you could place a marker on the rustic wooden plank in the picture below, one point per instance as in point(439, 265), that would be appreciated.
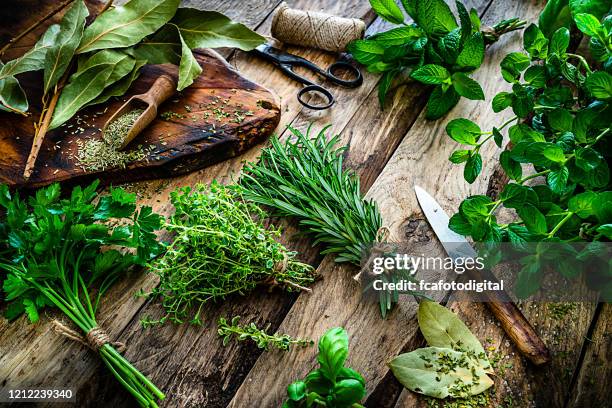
point(420, 159)
point(592, 385)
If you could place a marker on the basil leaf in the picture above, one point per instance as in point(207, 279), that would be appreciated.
point(424, 372)
point(58, 57)
point(467, 87)
point(34, 59)
point(388, 10)
point(333, 350)
point(126, 25)
point(348, 391)
point(443, 328)
point(296, 391)
point(210, 29)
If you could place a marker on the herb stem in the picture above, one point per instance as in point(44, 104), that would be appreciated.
point(534, 175)
point(560, 224)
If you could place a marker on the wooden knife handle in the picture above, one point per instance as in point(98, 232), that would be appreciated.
point(520, 331)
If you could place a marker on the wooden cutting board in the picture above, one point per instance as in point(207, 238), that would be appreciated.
point(219, 116)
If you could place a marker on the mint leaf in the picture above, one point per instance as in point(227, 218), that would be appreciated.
point(467, 87)
point(501, 101)
point(440, 102)
point(512, 168)
point(532, 217)
point(431, 74)
point(512, 65)
point(557, 180)
point(599, 85)
point(588, 24)
point(472, 54)
point(435, 17)
point(463, 131)
point(473, 167)
point(559, 41)
point(388, 10)
point(459, 156)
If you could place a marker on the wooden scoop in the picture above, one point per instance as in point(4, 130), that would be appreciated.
point(160, 91)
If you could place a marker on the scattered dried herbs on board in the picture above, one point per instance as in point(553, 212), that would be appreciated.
point(221, 247)
point(118, 129)
point(433, 50)
point(67, 252)
point(263, 340)
point(332, 385)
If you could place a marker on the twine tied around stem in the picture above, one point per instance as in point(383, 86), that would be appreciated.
point(94, 339)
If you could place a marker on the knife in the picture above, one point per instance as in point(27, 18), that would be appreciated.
point(512, 320)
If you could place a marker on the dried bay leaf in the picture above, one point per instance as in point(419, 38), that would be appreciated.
point(210, 29)
point(427, 371)
point(124, 26)
point(58, 57)
point(34, 59)
point(443, 328)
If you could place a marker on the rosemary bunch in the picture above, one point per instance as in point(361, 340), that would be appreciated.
point(221, 248)
point(304, 179)
point(259, 336)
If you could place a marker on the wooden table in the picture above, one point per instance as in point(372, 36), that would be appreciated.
point(390, 150)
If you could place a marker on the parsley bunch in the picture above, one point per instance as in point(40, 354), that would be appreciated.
point(434, 50)
point(561, 134)
point(67, 252)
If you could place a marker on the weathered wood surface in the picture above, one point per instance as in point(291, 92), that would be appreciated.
point(190, 364)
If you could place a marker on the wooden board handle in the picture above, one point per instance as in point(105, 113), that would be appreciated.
point(162, 89)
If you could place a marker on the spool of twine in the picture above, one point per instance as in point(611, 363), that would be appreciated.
point(314, 29)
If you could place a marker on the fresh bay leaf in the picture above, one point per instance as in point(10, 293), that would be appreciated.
point(12, 96)
point(34, 59)
point(426, 371)
point(98, 72)
point(58, 57)
point(189, 69)
point(210, 29)
point(443, 328)
point(163, 47)
point(124, 26)
point(120, 87)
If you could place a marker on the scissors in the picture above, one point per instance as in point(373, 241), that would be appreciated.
point(286, 62)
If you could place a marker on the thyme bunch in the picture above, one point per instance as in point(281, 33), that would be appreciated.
point(221, 248)
point(259, 336)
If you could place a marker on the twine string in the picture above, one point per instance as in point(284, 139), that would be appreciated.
point(314, 29)
point(95, 339)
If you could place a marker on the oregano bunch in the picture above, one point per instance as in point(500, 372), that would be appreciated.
point(558, 159)
point(435, 50)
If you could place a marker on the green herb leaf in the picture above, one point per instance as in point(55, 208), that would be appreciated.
point(463, 131)
point(588, 24)
point(532, 217)
point(431, 74)
point(556, 14)
point(12, 96)
point(467, 87)
point(599, 85)
point(348, 391)
point(557, 180)
point(560, 41)
point(440, 102)
point(333, 351)
point(459, 156)
point(296, 391)
point(58, 56)
point(473, 167)
point(501, 101)
point(435, 17)
point(210, 29)
point(124, 26)
point(388, 10)
point(34, 59)
point(472, 54)
point(512, 168)
point(189, 69)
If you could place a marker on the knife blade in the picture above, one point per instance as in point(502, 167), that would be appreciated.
point(514, 323)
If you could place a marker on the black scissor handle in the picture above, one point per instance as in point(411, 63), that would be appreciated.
point(356, 76)
point(315, 89)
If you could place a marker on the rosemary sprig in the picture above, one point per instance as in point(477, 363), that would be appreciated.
point(259, 336)
point(304, 179)
point(221, 248)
